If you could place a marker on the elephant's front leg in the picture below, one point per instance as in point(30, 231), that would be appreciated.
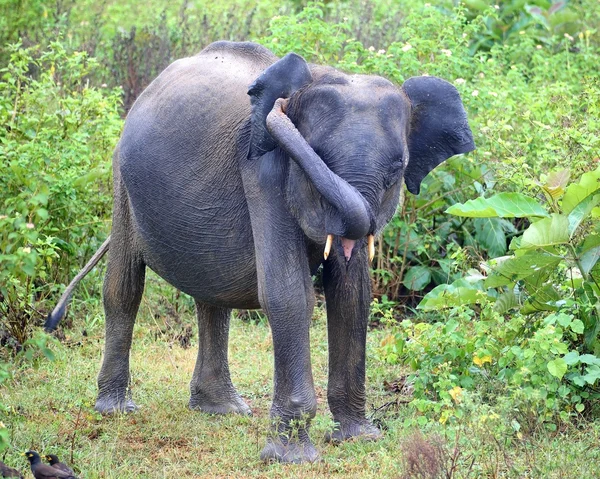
point(287, 297)
point(211, 388)
point(286, 294)
point(348, 296)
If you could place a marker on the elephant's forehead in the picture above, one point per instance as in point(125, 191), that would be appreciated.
point(355, 90)
point(360, 98)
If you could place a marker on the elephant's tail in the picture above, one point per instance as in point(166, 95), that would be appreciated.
point(61, 308)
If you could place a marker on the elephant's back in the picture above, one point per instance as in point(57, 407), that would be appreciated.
point(201, 99)
point(178, 160)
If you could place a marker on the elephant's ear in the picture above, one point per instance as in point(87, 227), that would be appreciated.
point(279, 80)
point(438, 127)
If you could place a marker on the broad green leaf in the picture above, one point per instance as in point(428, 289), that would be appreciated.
point(589, 359)
point(561, 318)
point(518, 268)
point(580, 212)
point(42, 213)
point(577, 326)
point(571, 358)
point(577, 192)
point(546, 232)
point(91, 176)
point(537, 280)
point(417, 278)
point(592, 374)
point(557, 368)
point(556, 182)
point(506, 301)
point(503, 205)
point(542, 299)
point(489, 233)
point(589, 259)
point(459, 293)
point(590, 241)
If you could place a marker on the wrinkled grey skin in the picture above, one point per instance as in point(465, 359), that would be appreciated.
point(208, 197)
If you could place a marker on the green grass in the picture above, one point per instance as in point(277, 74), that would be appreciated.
point(49, 402)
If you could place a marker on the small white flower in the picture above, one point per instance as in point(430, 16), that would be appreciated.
point(371, 48)
point(475, 93)
point(30, 226)
point(497, 7)
point(27, 249)
point(539, 47)
point(381, 52)
point(482, 75)
point(446, 52)
point(460, 81)
point(406, 47)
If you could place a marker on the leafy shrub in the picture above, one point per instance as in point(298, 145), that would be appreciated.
point(54, 178)
point(546, 364)
point(555, 261)
point(541, 20)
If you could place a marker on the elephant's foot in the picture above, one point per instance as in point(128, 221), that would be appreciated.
point(362, 429)
point(114, 403)
point(231, 403)
point(293, 451)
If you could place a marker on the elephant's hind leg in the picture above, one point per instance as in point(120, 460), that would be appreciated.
point(123, 288)
point(211, 388)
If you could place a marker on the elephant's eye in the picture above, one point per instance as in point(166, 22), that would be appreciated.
point(394, 173)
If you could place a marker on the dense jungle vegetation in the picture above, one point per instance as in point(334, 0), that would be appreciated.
point(486, 319)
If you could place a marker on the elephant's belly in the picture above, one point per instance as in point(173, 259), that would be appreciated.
point(195, 231)
point(208, 263)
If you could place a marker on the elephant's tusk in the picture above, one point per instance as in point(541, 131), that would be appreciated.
point(328, 246)
point(371, 244)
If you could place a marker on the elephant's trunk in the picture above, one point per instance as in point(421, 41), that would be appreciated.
point(352, 208)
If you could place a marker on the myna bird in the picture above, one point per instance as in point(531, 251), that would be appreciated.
point(44, 471)
point(6, 471)
point(56, 464)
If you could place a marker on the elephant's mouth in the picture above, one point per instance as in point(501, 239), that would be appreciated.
point(348, 247)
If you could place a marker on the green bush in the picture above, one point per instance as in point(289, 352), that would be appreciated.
point(530, 336)
point(55, 187)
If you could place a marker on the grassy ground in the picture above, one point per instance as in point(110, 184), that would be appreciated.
point(51, 410)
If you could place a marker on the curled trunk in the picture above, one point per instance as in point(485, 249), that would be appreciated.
point(353, 210)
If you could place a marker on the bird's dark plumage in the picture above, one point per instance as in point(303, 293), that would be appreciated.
point(44, 471)
point(6, 471)
point(54, 461)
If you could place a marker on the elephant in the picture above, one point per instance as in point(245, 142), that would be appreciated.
point(238, 174)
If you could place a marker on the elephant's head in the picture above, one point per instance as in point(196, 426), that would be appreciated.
point(353, 138)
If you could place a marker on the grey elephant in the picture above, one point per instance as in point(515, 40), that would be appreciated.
point(237, 175)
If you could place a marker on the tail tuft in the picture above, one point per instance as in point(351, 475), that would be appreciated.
point(55, 316)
